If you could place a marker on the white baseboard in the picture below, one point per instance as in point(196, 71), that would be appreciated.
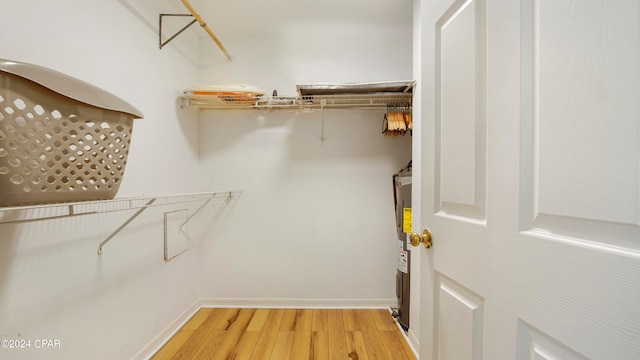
point(410, 338)
point(414, 343)
point(157, 342)
point(300, 303)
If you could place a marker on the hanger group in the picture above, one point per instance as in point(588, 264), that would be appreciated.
point(397, 123)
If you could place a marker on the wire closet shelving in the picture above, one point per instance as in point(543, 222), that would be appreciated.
point(31, 213)
point(364, 96)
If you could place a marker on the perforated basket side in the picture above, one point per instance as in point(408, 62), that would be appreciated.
point(55, 149)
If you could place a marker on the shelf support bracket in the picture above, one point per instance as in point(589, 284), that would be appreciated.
point(125, 224)
point(161, 44)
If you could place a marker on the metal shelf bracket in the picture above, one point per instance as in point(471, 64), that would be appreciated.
point(161, 44)
point(124, 225)
point(56, 211)
point(206, 197)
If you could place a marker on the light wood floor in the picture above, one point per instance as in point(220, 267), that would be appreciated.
point(281, 334)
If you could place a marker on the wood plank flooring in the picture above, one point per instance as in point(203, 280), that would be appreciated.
point(288, 334)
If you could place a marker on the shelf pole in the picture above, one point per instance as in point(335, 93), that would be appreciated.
point(206, 28)
point(323, 102)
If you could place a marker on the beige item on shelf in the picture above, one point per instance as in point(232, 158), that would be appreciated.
point(228, 94)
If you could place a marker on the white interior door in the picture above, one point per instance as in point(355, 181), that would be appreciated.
point(530, 148)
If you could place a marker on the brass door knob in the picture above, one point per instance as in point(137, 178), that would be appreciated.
point(424, 238)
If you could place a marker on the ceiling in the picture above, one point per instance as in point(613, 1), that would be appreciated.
point(258, 17)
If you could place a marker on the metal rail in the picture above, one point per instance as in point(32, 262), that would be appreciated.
point(346, 101)
point(64, 210)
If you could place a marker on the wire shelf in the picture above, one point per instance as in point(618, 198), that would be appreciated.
point(30, 213)
point(25, 214)
point(383, 100)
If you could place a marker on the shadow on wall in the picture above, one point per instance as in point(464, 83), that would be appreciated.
point(224, 129)
point(241, 149)
point(188, 122)
point(65, 276)
point(208, 233)
point(345, 133)
point(218, 213)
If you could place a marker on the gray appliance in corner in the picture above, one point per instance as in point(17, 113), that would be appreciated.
point(402, 201)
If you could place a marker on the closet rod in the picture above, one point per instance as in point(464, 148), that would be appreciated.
point(206, 28)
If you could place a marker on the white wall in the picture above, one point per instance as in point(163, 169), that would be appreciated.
point(52, 283)
point(315, 224)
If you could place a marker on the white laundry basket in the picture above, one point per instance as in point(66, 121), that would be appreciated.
point(61, 139)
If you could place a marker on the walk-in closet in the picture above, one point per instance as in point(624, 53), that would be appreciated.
point(254, 172)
